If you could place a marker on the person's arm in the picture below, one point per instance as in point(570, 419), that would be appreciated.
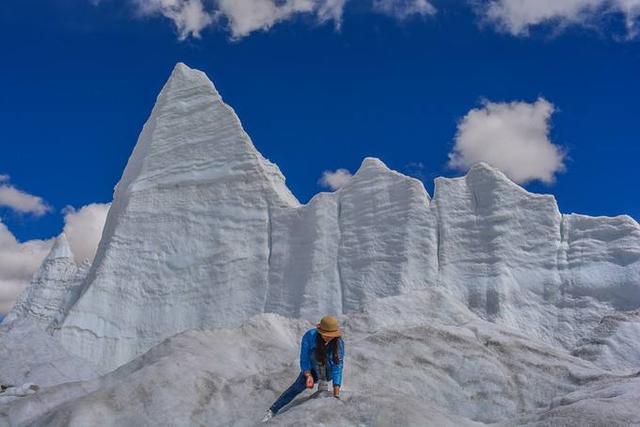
point(305, 350)
point(305, 358)
point(337, 369)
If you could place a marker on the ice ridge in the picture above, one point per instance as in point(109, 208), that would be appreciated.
point(203, 232)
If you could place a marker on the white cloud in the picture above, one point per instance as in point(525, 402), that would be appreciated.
point(243, 17)
point(518, 16)
point(514, 137)
point(247, 16)
point(403, 9)
point(189, 16)
point(335, 179)
point(83, 228)
point(19, 261)
point(20, 201)
point(331, 10)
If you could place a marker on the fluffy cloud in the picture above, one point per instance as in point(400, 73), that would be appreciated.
point(335, 179)
point(18, 261)
point(514, 137)
point(331, 10)
point(243, 17)
point(247, 16)
point(19, 201)
point(403, 9)
point(189, 16)
point(518, 16)
point(83, 228)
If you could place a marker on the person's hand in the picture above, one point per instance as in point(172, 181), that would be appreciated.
point(309, 380)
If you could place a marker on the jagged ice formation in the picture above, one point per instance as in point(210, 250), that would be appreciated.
point(486, 303)
point(218, 237)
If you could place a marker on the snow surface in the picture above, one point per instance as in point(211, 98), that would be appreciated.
point(30, 355)
point(483, 304)
point(423, 368)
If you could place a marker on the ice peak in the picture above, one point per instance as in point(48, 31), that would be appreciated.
point(61, 248)
point(184, 78)
point(371, 166)
point(182, 68)
point(183, 71)
point(485, 168)
point(374, 163)
point(484, 175)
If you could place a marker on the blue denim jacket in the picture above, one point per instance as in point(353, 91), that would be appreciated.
point(307, 349)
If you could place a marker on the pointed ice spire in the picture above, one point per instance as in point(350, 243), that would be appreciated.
point(194, 206)
point(191, 137)
point(42, 299)
point(60, 249)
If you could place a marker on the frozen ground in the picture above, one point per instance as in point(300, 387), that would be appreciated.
point(420, 369)
point(480, 305)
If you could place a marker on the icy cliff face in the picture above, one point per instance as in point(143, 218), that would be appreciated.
point(186, 242)
point(204, 233)
point(375, 237)
point(516, 260)
point(43, 300)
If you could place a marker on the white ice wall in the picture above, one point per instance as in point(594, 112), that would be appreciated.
point(203, 232)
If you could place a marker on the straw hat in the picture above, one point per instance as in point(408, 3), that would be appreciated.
point(328, 327)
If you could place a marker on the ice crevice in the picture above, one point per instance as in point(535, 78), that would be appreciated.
point(339, 257)
point(270, 253)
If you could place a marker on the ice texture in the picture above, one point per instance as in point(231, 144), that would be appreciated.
point(29, 354)
point(217, 237)
point(44, 299)
point(186, 241)
point(422, 369)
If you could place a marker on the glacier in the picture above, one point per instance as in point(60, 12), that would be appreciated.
point(488, 303)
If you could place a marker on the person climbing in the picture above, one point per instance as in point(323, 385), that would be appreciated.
point(321, 361)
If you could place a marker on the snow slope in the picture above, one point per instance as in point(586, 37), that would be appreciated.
point(30, 355)
point(449, 369)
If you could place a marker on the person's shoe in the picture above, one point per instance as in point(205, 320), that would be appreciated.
point(323, 385)
point(267, 416)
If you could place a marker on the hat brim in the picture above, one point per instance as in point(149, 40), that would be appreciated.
point(332, 334)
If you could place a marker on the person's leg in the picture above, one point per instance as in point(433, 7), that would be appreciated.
point(296, 388)
point(324, 378)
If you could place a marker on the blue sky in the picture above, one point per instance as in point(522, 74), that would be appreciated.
point(80, 78)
